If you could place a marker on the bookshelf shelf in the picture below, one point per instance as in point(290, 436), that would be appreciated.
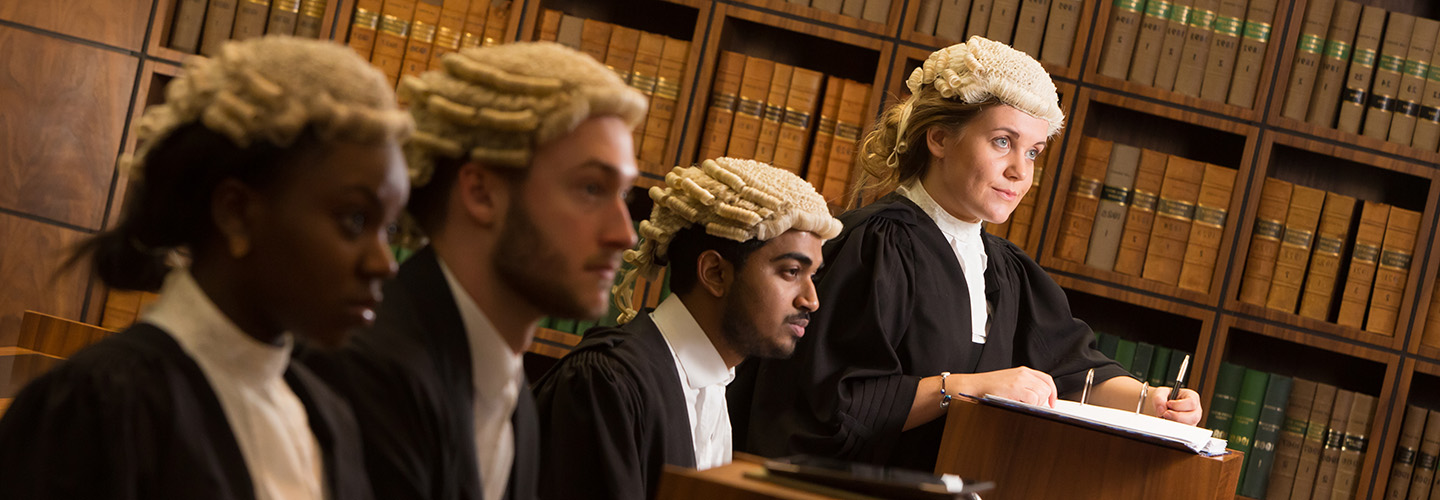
point(1127, 281)
point(1343, 140)
point(1314, 325)
point(1233, 112)
point(820, 16)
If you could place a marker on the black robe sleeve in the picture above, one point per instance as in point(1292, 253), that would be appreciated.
point(847, 383)
point(592, 427)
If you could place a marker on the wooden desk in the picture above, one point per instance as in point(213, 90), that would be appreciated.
point(1032, 457)
point(727, 482)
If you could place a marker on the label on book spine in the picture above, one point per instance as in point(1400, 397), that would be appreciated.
point(1405, 455)
point(1202, 19)
point(1227, 26)
point(1087, 188)
point(1116, 194)
point(1210, 216)
point(1180, 14)
point(1382, 102)
point(1298, 237)
point(1326, 245)
point(1296, 426)
point(1395, 260)
point(1366, 253)
point(1338, 49)
point(797, 118)
point(723, 102)
point(1128, 5)
point(1425, 461)
point(1311, 43)
point(1269, 229)
point(365, 19)
point(1158, 9)
point(1354, 442)
point(1176, 209)
point(1334, 439)
point(1141, 200)
point(1429, 113)
point(395, 26)
point(1257, 31)
point(1353, 96)
point(1392, 63)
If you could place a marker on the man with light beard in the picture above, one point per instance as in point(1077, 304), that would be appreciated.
point(742, 240)
point(520, 162)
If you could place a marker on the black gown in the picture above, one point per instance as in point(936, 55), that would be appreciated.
point(894, 309)
point(409, 380)
point(133, 417)
point(612, 414)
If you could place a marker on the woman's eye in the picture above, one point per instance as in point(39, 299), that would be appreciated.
point(1032, 154)
point(1003, 142)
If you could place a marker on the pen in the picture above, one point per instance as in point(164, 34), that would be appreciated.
point(1180, 379)
point(1089, 379)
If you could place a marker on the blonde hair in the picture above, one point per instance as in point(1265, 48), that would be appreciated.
point(735, 199)
point(496, 105)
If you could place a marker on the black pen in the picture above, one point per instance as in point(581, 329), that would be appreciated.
point(1180, 378)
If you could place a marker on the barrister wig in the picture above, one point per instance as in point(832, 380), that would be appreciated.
point(496, 105)
point(739, 200)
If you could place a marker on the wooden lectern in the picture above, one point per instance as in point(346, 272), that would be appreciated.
point(1029, 456)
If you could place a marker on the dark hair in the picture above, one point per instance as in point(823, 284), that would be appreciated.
point(427, 203)
point(168, 202)
point(687, 245)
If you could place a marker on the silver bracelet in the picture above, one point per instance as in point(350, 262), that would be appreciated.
point(944, 397)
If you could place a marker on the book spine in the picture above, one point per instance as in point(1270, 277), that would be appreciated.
point(799, 119)
point(1386, 85)
point(1362, 69)
point(877, 11)
point(1119, 45)
point(927, 17)
point(824, 132)
point(721, 115)
point(571, 32)
point(852, 8)
point(754, 88)
point(1315, 432)
point(834, 6)
point(452, 26)
point(1140, 219)
point(1083, 199)
point(1290, 439)
point(645, 76)
point(1107, 344)
point(495, 21)
point(1227, 393)
point(979, 17)
point(1224, 42)
point(1174, 215)
point(1427, 460)
point(220, 18)
point(1330, 77)
point(1060, 31)
point(1196, 51)
point(1364, 258)
point(1148, 42)
point(1172, 47)
point(620, 52)
point(548, 29)
point(250, 17)
point(189, 19)
point(1352, 450)
point(1404, 464)
point(1125, 353)
point(847, 136)
point(663, 103)
point(1160, 366)
point(1211, 211)
point(1427, 124)
point(1261, 459)
point(423, 30)
point(1431, 335)
point(1144, 357)
point(1330, 238)
point(1247, 417)
point(283, 16)
point(312, 18)
point(1114, 204)
point(1030, 30)
point(1412, 81)
point(1250, 61)
point(1002, 20)
point(951, 21)
point(594, 38)
point(774, 112)
point(1300, 224)
point(389, 53)
point(1307, 59)
point(1394, 269)
point(1334, 440)
point(1265, 241)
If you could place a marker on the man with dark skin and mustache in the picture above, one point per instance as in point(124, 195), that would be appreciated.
point(742, 240)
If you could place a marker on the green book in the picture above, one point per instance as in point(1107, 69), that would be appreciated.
point(564, 325)
point(1108, 344)
point(1140, 364)
point(1247, 415)
point(1125, 353)
point(1290, 439)
point(1222, 406)
point(1177, 358)
point(547, 322)
point(1160, 366)
point(1256, 473)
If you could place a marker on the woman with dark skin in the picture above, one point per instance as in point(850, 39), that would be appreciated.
point(263, 196)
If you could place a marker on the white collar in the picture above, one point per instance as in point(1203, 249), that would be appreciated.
point(208, 335)
point(698, 357)
point(492, 364)
point(949, 224)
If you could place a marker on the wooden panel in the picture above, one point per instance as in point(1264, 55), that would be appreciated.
point(29, 259)
point(61, 128)
point(56, 336)
point(113, 22)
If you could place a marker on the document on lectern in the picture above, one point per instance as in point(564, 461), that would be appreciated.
point(1130, 424)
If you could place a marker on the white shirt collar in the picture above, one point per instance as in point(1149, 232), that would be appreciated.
point(492, 364)
point(203, 331)
point(949, 224)
point(697, 357)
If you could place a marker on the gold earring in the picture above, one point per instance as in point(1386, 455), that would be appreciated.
point(239, 247)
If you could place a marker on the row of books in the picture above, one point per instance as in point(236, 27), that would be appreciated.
point(407, 37)
point(652, 63)
point(1158, 365)
point(1145, 213)
point(1300, 242)
point(200, 26)
point(764, 110)
point(1210, 49)
point(1335, 81)
point(869, 10)
point(1412, 476)
point(1301, 439)
point(1045, 29)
